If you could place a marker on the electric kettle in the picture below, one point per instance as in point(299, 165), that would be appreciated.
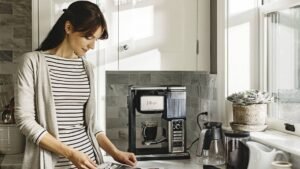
point(210, 146)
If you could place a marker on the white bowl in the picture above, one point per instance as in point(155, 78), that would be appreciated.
point(11, 139)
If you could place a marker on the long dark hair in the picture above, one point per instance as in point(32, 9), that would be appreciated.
point(84, 16)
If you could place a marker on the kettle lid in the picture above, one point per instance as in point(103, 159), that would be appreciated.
point(210, 125)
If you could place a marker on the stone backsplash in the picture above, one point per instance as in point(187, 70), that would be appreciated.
point(6, 90)
point(201, 97)
point(15, 39)
point(15, 33)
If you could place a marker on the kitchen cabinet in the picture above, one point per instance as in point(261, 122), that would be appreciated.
point(152, 35)
point(143, 34)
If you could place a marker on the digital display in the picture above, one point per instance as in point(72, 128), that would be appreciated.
point(152, 103)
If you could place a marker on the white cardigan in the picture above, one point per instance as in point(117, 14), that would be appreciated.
point(35, 111)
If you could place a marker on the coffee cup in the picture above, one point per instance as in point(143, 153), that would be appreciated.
point(281, 165)
point(149, 130)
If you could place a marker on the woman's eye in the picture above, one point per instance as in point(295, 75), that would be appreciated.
point(89, 37)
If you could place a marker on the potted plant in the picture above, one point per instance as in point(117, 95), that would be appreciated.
point(250, 107)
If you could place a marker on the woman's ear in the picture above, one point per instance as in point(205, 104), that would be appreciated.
point(68, 27)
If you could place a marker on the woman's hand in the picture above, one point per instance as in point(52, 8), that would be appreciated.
point(110, 148)
point(125, 158)
point(81, 160)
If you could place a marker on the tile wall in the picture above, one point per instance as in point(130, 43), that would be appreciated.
point(6, 90)
point(15, 39)
point(201, 97)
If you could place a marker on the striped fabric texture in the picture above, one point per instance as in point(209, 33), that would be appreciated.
point(70, 88)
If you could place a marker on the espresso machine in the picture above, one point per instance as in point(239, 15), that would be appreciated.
point(157, 122)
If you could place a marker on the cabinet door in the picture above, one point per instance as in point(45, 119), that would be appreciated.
point(151, 35)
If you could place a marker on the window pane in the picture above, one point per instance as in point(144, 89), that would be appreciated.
point(283, 53)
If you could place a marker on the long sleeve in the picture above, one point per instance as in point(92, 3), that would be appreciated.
point(25, 109)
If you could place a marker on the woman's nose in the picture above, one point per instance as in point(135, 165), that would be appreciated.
point(92, 45)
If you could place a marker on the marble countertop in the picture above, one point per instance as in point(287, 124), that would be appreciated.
point(15, 162)
point(192, 163)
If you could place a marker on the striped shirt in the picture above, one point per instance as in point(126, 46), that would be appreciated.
point(71, 89)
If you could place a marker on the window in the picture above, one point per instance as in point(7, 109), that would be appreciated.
point(281, 50)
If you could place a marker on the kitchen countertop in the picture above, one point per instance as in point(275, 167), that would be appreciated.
point(192, 163)
point(15, 162)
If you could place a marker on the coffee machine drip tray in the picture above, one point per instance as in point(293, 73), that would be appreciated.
point(172, 156)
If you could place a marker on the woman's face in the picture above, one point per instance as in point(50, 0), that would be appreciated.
point(80, 44)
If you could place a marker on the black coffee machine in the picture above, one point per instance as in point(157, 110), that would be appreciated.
point(157, 122)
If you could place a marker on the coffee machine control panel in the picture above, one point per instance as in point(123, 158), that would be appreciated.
point(176, 135)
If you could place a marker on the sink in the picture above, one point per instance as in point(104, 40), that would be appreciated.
point(11, 139)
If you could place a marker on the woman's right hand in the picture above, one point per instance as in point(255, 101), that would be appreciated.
point(81, 160)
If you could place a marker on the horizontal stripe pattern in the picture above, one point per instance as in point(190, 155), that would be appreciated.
point(71, 89)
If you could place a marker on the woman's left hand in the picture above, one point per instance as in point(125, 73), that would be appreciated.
point(125, 158)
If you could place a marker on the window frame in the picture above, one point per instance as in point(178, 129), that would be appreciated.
point(264, 66)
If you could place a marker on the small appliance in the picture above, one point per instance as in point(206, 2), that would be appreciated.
point(157, 122)
point(210, 145)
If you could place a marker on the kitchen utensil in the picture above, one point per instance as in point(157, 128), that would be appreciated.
point(237, 152)
point(262, 156)
point(8, 113)
point(210, 146)
point(281, 165)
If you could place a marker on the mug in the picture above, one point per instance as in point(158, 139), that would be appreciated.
point(281, 165)
point(149, 130)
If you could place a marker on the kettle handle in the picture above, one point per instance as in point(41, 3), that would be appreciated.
point(282, 153)
point(201, 142)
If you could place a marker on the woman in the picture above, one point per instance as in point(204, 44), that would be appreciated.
point(55, 96)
